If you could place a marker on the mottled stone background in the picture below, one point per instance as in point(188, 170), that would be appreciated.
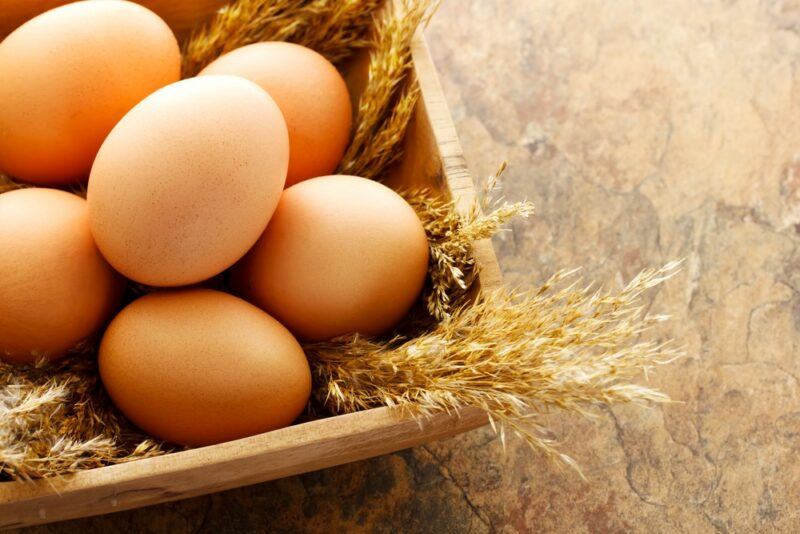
point(644, 130)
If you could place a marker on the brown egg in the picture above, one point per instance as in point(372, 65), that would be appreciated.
point(68, 75)
point(199, 367)
point(187, 181)
point(55, 287)
point(341, 255)
point(311, 94)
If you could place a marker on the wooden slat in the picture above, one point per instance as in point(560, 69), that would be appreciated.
point(289, 451)
point(433, 152)
point(181, 16)
point(450, 156)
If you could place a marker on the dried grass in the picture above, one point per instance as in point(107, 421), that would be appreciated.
point(55, 419)
point(451, 235)
point(387, 103)
point(515, 355)
point(334, 28)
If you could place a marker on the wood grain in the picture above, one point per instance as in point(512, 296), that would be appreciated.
point(181, 16)
point(433, 158)
point(289, 451)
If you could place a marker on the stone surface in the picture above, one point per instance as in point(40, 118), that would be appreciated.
point(644, 132)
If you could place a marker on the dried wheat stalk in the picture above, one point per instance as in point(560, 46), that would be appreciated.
point(388, 101)
point(514, 355)
point(334, 28)
point(56, 419)
point(451, 235)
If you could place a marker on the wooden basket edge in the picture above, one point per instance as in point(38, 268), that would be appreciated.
point(366, 434)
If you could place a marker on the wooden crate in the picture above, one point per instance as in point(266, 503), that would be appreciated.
point(433, 158)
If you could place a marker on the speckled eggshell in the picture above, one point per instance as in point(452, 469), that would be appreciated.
point(68, 75)
point(311, 94)
point(198, 367)
point(341, 255)
point(186, 182)
point(55, 287)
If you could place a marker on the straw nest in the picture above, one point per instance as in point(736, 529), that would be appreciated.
point(514, 355)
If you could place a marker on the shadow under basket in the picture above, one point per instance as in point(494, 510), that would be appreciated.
point(432, 159)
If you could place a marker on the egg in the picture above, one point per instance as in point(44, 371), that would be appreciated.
point(55, 288)
point(341, 255)
point(68, 75)
point(311, 94)
point(198, 367)
point(186, 182)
